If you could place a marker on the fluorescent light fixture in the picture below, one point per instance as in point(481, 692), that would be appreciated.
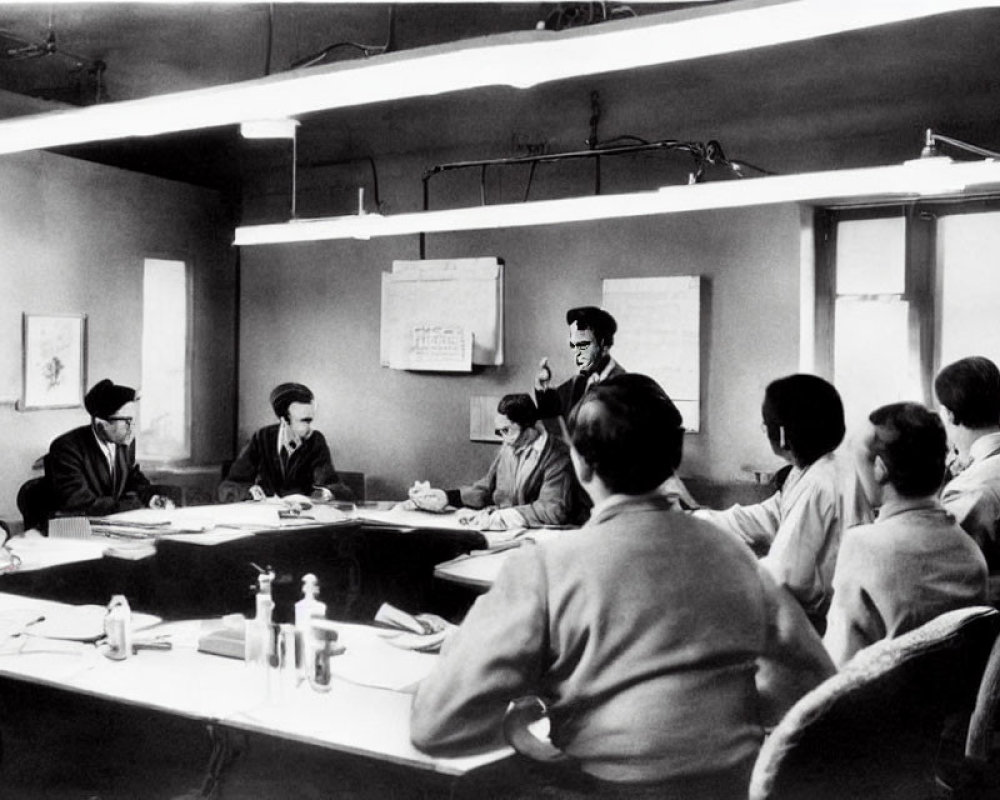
point(269, 129)
point(872, 184)
point(519, 59)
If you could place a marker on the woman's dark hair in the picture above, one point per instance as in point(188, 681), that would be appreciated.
point(912, 444)
point(970, 390)
point(804, 413)
point(629, 432)
point(518, 408)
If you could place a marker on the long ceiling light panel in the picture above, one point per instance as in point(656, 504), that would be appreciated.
point(935, 177)
point(521, 59)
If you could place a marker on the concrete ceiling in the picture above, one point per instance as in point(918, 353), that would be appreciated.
point(850, 99)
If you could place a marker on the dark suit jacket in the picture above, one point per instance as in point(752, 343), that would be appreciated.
point(80, 482)
point(258, 463)
point(560, 401)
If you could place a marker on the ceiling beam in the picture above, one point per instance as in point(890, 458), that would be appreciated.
point(520, 60)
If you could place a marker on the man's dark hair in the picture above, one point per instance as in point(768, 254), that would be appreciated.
point(284, 394)
point(596, 320)
point(809, 411)
point(629, 432)
point(970, 390)
point(518, 408)
point(911, 440)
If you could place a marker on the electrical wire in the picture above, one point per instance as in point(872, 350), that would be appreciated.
point(704, 154)
point(366, 49)
point(270, 39)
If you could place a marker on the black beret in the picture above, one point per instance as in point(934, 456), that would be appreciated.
point(105, 398)
point(284, 394)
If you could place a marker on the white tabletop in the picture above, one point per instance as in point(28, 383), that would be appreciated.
point(478, 569)
point(350, 717)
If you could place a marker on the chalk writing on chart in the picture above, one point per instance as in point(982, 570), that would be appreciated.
point(440, 348)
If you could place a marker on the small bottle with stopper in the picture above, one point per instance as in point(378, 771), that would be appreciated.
point(118, 628)
point(310, 607)
point(260, 643)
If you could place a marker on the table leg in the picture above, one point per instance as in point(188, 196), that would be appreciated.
point(227, 746)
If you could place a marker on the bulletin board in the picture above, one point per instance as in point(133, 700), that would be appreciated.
point(659, 324)
point(442, 315)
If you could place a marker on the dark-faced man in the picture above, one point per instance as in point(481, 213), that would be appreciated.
point(591, 335)
point(91, 470)
point(289, 457)
point(660, 647)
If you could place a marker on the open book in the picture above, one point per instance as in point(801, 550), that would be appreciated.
point(505, 540)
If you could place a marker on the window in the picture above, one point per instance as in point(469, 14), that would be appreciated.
point(164, 429)
point(970, 293)
point(902, 292)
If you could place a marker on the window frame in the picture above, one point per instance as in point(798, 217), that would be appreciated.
point(923, 278)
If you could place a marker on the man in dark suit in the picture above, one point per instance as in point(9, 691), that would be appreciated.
point(290, 457)
point(591, 335)
point(91, 470)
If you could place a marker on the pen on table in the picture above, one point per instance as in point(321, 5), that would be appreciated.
point(490, 551)
point(137, 646)
point(28, 624)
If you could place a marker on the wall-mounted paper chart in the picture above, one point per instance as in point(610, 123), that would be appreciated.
point(425, 304)
point(659, 321)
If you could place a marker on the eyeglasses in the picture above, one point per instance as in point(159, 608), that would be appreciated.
point(127, 420)
point(583, 345)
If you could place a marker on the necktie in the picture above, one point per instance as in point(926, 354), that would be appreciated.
point(579, 388)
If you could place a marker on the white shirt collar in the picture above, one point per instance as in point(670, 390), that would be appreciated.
point(983, 446)
point(286, 439)
point(108, 448)
point(598, 377)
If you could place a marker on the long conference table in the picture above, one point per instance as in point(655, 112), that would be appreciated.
point(196, 566)
point(202, 560)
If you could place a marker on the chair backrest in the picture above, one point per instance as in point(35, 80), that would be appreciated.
point(34, 501)
point(355, 481)
point(986, 715)
point(876, 724)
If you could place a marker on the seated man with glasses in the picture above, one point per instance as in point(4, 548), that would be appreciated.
point(91, 470)
point(529, 484)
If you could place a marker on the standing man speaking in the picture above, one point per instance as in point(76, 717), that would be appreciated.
point(591, 335)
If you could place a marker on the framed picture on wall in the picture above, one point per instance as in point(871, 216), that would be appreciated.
point(54, 361)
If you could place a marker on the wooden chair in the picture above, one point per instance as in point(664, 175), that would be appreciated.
point(873, 730)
